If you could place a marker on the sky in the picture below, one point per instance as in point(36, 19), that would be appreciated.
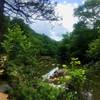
point(55, 30)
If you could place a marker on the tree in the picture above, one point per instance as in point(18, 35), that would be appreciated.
point(35, 9)
point(1, 18)
point(89, 13)
point(94, 49)
point(86, 30)
point(20, 53)
point(64, 49)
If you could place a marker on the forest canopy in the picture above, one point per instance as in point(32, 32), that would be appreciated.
point(28, 58)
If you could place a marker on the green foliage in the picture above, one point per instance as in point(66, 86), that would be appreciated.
point(94, 49)
point(89, 12)
point(23, 68)
point(75, 62)
point(76, 70)
point(30, 55)
point(89, 15)
point(47, 92)
point(63, 49)
point(43, 91)
point(43, 45)
point(77, 43)
point(78, 75)
point(85, 31)
point(21, 62)
point(24, 44)
point(72, 81)
point(76, 79)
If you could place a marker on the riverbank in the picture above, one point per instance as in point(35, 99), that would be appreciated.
point(3, 88)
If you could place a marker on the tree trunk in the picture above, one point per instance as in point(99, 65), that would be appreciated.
point(2, 23)
point(1, 19)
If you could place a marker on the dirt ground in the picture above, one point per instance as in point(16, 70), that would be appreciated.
point(3, 96)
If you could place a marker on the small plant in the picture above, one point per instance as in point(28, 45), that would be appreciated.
point(75, 62)
point(74, 79)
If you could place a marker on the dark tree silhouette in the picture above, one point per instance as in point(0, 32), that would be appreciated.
point(27, 9)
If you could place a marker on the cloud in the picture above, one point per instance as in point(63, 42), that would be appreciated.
point(55, 30)
point(83, 1)
point(66, 11)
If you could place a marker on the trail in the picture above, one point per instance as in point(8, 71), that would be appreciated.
point(3, 96)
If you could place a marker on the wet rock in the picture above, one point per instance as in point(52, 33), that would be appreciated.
point(4, 88)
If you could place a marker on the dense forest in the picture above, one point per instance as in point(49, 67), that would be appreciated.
point(26, 57)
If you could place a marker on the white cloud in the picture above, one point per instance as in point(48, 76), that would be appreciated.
point(57, 32)
point(56, 29)
point(66, 11)
point(83, 1)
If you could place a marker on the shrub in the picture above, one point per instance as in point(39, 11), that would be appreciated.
point(43, 91)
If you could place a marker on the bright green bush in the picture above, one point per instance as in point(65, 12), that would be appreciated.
point(43, 91)
point(74, 80)
point(21, 63)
